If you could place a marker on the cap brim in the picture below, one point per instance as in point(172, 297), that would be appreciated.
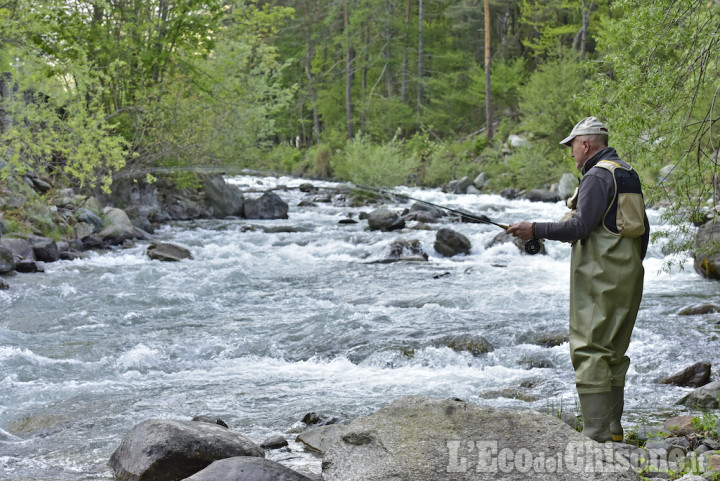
point(568, 140)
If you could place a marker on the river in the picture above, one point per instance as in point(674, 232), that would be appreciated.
point(274, 319)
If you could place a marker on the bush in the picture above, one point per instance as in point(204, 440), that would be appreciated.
point(377, 165)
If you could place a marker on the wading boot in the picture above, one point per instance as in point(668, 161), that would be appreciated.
point(596, 415)
point(617, 404)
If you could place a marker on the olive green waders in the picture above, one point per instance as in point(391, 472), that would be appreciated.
point(606, 280)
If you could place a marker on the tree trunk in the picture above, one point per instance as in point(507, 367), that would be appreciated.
point(403, 87)
point(388, 55)
point(311, 87)
point(420, 59)
point(366, 62)
point(488, 104)
point(349, 55)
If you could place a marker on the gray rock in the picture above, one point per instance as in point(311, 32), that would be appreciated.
point(518, 141)
point(246, 468)
point(4, 285)
point(692, 376)
point(87, 216)
point(267, 206)
point(472, 190)
point(385, 220)
point(319, 439)
point(541, 195)
point(450, 243)
point(700, 309)
point(118, 227)
point(274, 442)
point(462, 185)
point(481, 180)
point(475, 345)
point(20, 248)
point(508, 193)
point(406, 249)
point(566, 186)
point(45, 249)
point(4, 228)
point(225, 199)
point(7, 260)
point(705, 397)
point(166, 450)
point(28, 266)
point(571, 420)
point(430, 210)
point(424, 439)
point(164, 251)
point(83, 229)
point(705, 260)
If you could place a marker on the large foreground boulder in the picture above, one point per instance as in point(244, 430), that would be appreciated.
point(225, 200)
point(166, 450)
point(424, 439)
point(267, 206)
point(246, 468)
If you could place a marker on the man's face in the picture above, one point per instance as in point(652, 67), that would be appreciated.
point(580, 149)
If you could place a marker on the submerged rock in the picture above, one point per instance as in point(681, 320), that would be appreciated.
point(700, 309)
point(164, 251)
point(417, 438)
point(244, 468)
point(165, 450)
point(450, 243)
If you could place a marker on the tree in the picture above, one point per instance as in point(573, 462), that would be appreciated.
point(658, 89)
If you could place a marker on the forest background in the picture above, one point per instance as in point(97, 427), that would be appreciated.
point(378, 92)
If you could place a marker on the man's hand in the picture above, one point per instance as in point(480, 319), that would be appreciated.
point(523, 230)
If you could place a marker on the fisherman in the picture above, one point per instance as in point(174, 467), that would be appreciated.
point(609, 232)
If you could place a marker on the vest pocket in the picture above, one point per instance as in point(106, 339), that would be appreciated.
point(631, 215)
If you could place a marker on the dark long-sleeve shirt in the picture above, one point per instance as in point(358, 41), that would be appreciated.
point(596, 192)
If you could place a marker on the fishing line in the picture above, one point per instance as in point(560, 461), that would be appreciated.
point(532, 247)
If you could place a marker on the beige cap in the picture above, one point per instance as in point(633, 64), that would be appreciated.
point(588, 126)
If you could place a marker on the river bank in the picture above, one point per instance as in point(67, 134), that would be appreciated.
point(276, 318)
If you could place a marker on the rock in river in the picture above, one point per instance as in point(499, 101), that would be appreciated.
point(244, 468)
point(164, 251)
point(166, 450)
point(418, 438)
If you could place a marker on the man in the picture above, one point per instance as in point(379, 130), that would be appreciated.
point(609, 232)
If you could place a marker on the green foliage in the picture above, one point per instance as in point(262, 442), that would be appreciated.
point(661, 97)
point(707, 423)
point(376, 165)
point(548, 102)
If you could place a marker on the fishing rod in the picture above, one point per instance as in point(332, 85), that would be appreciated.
point(532, 246)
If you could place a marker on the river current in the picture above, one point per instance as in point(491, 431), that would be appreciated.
point(277, 318)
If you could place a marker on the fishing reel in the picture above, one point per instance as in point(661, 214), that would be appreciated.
point(533, 246)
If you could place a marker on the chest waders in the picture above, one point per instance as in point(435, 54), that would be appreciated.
point(606, 278)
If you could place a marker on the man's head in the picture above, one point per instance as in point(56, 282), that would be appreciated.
point(587, 138)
